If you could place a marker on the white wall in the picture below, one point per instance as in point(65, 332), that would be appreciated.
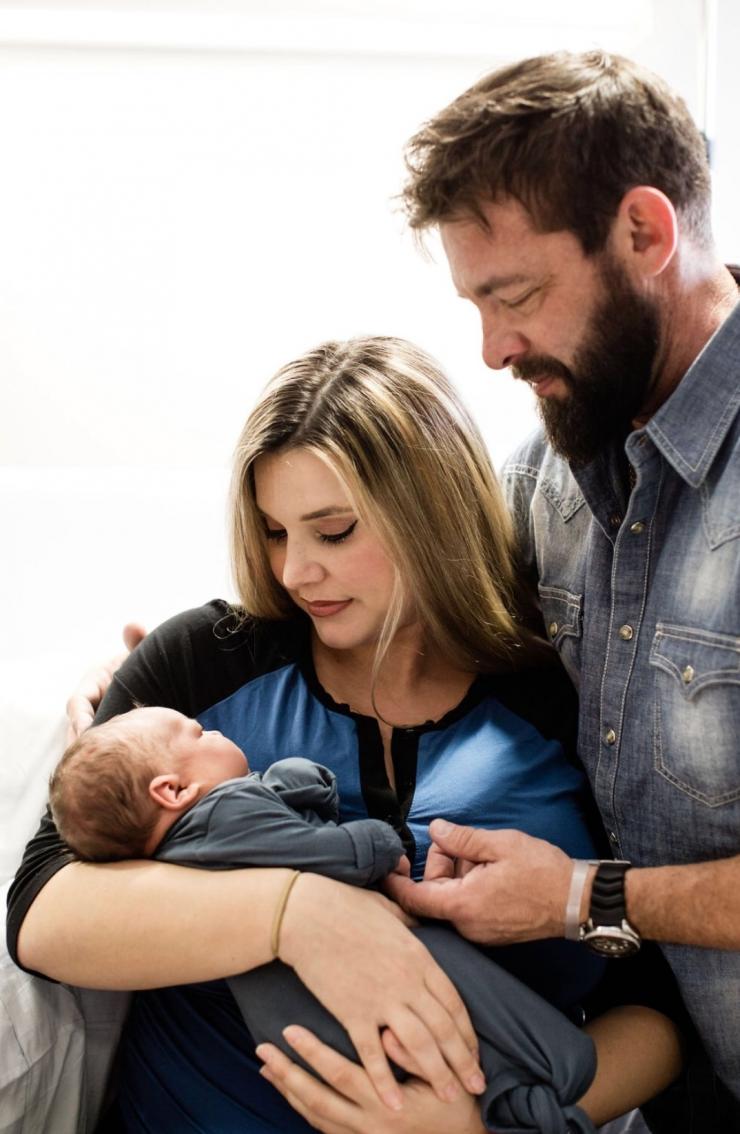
point(191, 194)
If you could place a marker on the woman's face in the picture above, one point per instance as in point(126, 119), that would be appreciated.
point(325, 557)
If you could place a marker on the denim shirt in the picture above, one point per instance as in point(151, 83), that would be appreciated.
point(640, 594)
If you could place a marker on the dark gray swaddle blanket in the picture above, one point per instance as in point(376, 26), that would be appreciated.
point(535, 1061)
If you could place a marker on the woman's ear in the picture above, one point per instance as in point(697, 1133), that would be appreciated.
point(645, 232)
point(167, 791)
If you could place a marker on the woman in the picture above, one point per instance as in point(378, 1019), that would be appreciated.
point(380, 632)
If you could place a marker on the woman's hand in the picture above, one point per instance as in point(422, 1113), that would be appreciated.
point(83, 703)
point(351, 948)
point(349, 1103)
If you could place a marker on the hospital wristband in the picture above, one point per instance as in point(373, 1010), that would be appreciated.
point(579, 877)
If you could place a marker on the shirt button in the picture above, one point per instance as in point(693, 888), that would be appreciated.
point(615, 520)
point(637, 528)
point(613, 838)
point(552, 629)
point(610, 736)
point(687, 674)
point(625, 633)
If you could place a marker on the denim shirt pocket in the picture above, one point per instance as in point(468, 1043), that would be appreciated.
point(697, 711)
point(562, 613)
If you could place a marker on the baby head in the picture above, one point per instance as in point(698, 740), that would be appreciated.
point(121, 785)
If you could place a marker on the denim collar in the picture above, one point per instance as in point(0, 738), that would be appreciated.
point(690, 427)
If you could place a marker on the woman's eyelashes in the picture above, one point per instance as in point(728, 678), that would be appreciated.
point(278, 535)
point(337, 537)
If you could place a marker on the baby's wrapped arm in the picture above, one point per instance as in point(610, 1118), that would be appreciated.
point(245, 823)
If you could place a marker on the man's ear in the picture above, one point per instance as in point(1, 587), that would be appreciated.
point(167, 791)
point(645, 231)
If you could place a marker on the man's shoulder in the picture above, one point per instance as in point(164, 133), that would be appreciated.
point(535, 466)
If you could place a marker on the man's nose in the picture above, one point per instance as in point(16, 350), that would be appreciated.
point(502, 345)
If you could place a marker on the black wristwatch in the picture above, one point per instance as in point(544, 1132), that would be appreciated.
point(607, 930)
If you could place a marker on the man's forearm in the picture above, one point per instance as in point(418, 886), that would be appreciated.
point(698, 904)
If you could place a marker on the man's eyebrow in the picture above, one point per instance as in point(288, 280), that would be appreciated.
point(495, 283)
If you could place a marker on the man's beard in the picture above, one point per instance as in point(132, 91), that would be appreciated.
point(611, 376)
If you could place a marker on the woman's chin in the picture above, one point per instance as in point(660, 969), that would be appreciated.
point(342, 637)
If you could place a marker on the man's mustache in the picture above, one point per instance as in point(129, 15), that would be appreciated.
point(542, 366)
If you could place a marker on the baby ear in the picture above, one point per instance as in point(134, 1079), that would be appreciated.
point(167, 791)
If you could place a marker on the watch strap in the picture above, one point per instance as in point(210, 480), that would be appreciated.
point(608, 906)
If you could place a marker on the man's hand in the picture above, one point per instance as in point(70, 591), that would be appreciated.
point(83, 703)
point(496, 887)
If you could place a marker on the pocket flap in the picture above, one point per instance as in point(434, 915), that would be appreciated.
point(695, 658)
point(562, 612)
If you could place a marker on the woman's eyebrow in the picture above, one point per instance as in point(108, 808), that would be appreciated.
point(332, 510)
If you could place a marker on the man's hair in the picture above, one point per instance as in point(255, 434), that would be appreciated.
point(567, 135)
point(99, 794)
point(381, 414)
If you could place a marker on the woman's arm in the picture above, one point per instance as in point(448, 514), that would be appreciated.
point(639, 1051)
point(129, 925)
point(149, 924)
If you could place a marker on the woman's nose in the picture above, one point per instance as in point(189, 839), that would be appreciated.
point(300, 567)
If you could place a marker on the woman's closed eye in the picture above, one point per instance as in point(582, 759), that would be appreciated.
point(337, 537)
point(278, 535)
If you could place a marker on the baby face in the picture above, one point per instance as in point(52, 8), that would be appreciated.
point(208, 758)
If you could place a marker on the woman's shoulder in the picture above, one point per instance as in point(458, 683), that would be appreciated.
point(543, 695)
point(223, 627)
point(202, 655)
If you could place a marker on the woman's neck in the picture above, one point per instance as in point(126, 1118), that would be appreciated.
point(415, 684)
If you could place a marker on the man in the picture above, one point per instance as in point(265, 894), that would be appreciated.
point(572, 197)
point(571, 193)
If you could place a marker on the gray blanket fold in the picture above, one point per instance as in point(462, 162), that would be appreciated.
point(535, 1061)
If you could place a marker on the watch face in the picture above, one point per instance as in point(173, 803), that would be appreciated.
point(612, 941)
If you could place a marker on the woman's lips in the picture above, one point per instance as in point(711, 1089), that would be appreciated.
point(324, 609)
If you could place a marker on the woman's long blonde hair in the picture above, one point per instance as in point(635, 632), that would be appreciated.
point(383, 416)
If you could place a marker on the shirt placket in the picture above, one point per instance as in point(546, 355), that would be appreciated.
point(618, 559)
point(630, 573)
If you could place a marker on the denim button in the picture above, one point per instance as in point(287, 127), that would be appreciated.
point(552, 629)
point(687, 674)
point(625, 633)
point(610, 736)
point(637, 528)
point(615, 520)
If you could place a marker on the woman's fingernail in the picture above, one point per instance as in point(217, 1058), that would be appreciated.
point(477, 1083)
